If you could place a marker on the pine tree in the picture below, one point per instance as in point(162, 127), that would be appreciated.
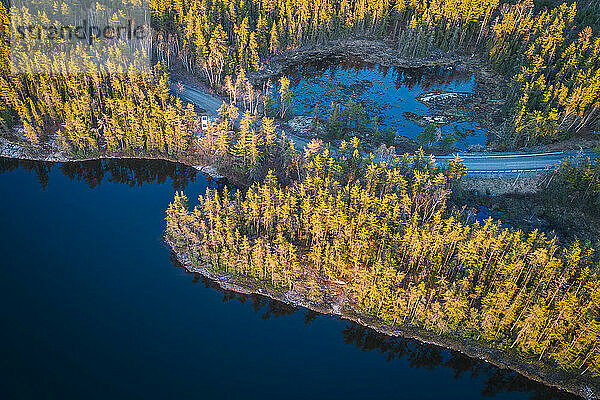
point(285, 95)
point(274, 41)
point(30, 134)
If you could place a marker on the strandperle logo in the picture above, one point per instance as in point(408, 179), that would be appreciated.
point(83, 37)
point(86, 32)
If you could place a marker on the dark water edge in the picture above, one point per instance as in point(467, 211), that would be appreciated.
point(128, 171)
point(552, 381)
point(91, 308)
point(420, 355)
point(428, 78)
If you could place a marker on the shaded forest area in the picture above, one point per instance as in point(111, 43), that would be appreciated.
point(564, 201)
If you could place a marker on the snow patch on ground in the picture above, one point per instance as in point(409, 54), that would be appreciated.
point(436, 97)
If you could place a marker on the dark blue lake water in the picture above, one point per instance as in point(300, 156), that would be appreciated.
point(92, 306)
point(385, 92)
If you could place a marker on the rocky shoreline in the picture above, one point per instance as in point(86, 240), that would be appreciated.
point(50, 153)
point(585, 387)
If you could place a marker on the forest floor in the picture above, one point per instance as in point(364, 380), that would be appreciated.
point(591, 140)
point(529, 210)
point(334, 299)
point(502, 184)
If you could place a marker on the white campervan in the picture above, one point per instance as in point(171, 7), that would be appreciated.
point(205, 122)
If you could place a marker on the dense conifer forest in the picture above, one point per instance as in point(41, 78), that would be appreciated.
point(549, 53)
point(93, 112)
point(384, 233)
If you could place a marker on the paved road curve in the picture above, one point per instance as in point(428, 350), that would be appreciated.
point(514, 163)
point(478, 164)
point(205, 101)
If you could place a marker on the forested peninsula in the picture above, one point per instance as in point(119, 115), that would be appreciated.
point(377, 244)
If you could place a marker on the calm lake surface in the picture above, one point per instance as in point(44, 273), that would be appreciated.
point(92, 306)
point(385, 92)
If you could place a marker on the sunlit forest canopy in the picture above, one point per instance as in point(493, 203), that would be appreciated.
point(548, 51)
point(384, 233)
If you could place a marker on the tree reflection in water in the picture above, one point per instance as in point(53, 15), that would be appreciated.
point(495, 380)
point(40, 169)
point(131, 171)
point(426, 77)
